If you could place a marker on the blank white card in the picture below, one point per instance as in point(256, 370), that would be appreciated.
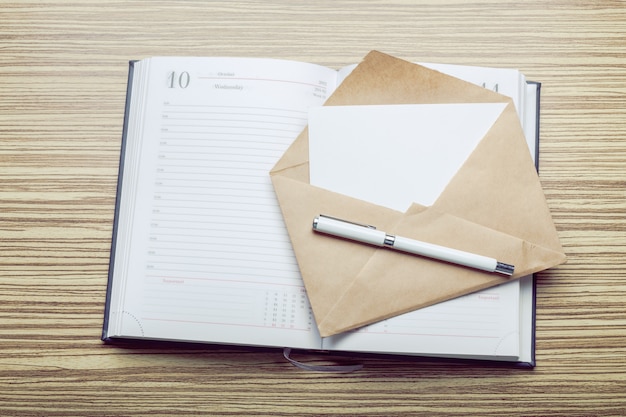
point(394, 155)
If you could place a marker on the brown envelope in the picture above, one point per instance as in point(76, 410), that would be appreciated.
point(493, 206)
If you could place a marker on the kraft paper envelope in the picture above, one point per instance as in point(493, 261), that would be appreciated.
point(494, 205)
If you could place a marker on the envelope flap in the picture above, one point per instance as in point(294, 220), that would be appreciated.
point(501, 174)
point(382, 79)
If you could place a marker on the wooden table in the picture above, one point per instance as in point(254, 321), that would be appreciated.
point(63, 68)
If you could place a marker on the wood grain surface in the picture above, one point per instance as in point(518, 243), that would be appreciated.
point(63, 68)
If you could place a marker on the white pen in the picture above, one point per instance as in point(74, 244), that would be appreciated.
point(370, 235)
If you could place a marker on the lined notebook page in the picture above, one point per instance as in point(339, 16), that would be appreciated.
point(209, 257)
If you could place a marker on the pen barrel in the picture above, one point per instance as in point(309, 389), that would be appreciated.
point(347, 230)
point(442, 253)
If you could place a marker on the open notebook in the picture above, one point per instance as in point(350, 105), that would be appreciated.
point(200, 252)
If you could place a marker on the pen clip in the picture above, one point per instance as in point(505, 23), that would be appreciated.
point(369, 226)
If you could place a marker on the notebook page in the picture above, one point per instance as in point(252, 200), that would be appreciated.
point(209, 255)
point(527, 293)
